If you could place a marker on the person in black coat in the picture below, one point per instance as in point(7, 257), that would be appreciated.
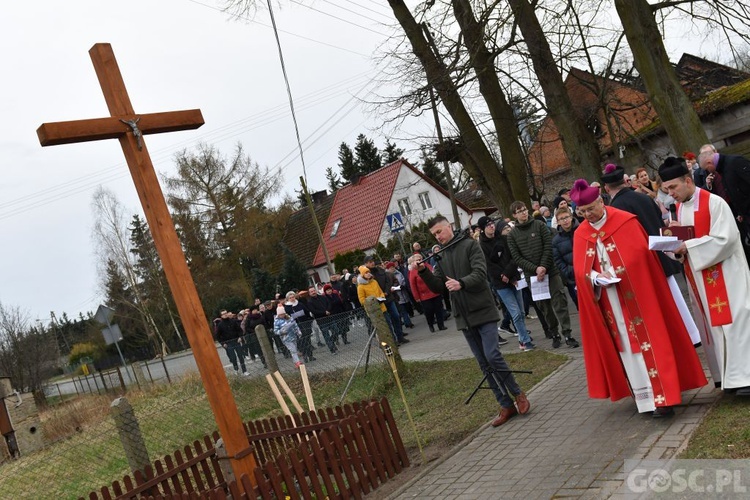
point(251, 320)
point(268, 310)
point(640, 205)
point(339, 321)
point(229, 333)
point(320, 309)
point(504, 275)
point(562, 250)
point(729, 177)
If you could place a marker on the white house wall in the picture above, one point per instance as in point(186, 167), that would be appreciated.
point(409, 185)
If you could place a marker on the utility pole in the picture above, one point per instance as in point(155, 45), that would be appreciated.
point(317, 226)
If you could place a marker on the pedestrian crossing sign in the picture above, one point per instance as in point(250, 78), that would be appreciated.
point(395, 222)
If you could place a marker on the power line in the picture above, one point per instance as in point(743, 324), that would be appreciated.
point(339, 18)
point(248, 19)
point(288, 88)
point(354, 11)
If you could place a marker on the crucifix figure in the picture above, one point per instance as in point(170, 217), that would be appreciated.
point(129, 128)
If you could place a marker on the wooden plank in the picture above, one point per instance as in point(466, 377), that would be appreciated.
point(380, 441)
point(320, 462)
point(372, 448)
point(346, 459)
point(174, 474)
point(288, 477)
point(184, 472)
point(196, 473)
point(358, 455)
point(264, 486)
point(300, 473)
point(96, 129)
point(162, 477)
point(395, 434)
point(274, 479)
point(312, 473)
point(334, 464)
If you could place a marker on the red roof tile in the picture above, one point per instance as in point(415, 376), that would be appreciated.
point(362, 209)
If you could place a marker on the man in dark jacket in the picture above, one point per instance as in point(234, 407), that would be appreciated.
point(253, 319)
point(229, 333)
point(504, 275)
point(729, 177)
point(530, 244)
point(463, 273)
point(318, 306)
point(299, 312)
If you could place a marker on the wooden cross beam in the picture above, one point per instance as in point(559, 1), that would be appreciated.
point(128, 127)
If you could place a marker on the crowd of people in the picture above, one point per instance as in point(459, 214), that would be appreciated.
point(590, 245)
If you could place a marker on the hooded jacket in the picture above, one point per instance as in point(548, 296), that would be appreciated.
point(369, 288)
point(562, 251)
point(499, 260)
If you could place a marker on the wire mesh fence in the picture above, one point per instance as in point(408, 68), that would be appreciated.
point(85, 449)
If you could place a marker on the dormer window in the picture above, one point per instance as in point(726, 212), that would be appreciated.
point(335, 228)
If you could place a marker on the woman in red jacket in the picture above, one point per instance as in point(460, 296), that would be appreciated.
point(431, 302)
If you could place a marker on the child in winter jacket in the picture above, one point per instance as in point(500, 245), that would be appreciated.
point(286, 328)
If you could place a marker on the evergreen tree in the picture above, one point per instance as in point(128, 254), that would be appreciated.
point(346, 162)
point(264, 285)
point(293, 274)
point(334, 183)
point(366, 155)
point(431, 169)
point(391, 153)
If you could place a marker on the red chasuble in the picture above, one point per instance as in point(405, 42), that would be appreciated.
point(655, 327)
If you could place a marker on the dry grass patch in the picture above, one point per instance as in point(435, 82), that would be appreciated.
point(724, 432)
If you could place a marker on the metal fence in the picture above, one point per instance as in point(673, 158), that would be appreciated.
point(84, 448)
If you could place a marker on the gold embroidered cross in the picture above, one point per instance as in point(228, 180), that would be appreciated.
point(645, 346)
point(652, 373)
point(719, 305)
point(620, 270)
point(611, 247)
point(659, 399)
point(590, 252)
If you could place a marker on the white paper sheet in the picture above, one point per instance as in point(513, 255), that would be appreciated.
point(664, 243)
point(540, 289)
point(521, 283)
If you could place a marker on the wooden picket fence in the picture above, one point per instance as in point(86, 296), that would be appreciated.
point(342, 452)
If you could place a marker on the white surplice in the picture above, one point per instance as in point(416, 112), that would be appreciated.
point(727, 346)
point(632, 362)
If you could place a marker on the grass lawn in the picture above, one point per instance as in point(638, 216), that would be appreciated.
point(724, 433)
point(88, 455)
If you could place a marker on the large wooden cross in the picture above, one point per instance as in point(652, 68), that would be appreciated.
point(129, 128)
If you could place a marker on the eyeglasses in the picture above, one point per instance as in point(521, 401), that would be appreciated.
point(521, 210)
point(567, 217)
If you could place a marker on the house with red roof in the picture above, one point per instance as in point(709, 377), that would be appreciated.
point(356, 219)
point(626, 126)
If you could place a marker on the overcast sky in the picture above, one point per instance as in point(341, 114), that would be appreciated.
point(173, 54)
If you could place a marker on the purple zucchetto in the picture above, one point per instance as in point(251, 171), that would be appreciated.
point(583, 194)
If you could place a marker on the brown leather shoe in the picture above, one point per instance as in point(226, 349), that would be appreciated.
point(522, 403)
point(505, 415)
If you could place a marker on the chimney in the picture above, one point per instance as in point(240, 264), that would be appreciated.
point(319, 196)
point(355, 179)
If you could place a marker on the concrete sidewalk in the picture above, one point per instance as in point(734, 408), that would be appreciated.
point(568, 445)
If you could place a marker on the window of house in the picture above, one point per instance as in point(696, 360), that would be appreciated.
point(424, 199)
point(404, 206)
point(335, 228)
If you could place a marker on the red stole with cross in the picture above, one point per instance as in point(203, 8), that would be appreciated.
point(713, 276)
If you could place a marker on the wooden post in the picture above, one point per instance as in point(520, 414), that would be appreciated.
point(267, 348)
point(129, 128)
point(372, 307)
point(130, 434)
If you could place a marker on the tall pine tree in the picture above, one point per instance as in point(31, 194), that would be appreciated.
point(366, 156)
point(391, 152)
point(349, 169)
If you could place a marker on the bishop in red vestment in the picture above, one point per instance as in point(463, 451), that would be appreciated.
point(634, 340)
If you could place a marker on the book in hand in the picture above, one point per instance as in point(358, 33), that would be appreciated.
point(682, 233)
point(381, 299)
point(664, 243)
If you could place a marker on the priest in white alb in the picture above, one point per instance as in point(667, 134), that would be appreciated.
point(634, 340)
point(719, 278)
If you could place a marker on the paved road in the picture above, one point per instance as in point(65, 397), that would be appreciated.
point(568, 445)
